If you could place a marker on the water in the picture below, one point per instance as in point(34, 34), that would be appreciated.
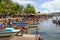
point(48, 30)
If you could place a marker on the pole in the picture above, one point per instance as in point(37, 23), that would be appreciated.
point(26, 31)
point(36, 31)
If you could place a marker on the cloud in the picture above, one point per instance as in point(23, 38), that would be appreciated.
point(45, 11)
point(24, 2)
point(51, 6)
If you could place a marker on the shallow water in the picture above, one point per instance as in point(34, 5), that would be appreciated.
point(48, 30)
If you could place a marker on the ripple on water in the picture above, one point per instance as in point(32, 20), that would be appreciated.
point(49, 30)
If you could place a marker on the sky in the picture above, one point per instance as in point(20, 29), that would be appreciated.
point(43, 6)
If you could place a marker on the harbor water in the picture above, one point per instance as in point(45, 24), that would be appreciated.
point(48, 30)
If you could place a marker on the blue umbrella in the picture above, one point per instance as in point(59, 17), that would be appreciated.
point(20, 24)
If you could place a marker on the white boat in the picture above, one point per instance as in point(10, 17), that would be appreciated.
point(56, 19)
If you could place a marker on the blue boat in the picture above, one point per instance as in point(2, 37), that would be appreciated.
point(8, 32)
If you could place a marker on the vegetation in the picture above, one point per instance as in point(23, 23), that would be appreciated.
point(56, 13)
point(29, 9)
point(7, 6)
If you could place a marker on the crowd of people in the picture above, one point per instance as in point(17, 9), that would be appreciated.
point(24, 18)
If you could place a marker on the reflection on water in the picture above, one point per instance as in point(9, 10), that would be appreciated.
point(49, 30)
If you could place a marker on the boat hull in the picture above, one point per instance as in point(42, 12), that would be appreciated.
point(8, 34)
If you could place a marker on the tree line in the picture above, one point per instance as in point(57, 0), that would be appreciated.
point(8, 6)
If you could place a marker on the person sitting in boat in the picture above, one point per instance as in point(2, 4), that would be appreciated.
point(2, 27)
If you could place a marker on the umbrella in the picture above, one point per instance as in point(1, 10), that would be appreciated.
point(19, 26)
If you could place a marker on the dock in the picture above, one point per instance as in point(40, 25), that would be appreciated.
point(26, 37)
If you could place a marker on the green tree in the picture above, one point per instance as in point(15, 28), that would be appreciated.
point(9, 6)
point(29, 9)
point(19, 8)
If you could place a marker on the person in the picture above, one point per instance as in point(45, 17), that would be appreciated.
point(56, 20)
point(2, 27)
point(16, 20)
point(10, 23)
point(6, 23)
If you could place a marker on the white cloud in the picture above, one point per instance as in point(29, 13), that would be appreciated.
point(45, 11)
point(51, 6)
point(24, 2)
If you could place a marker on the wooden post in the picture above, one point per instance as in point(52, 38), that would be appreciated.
point(26, 30)
point(21, 32)
point(36, 31)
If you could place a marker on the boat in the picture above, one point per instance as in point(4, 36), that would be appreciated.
point(59, 22)
point(8, 32)
point(56, 20)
